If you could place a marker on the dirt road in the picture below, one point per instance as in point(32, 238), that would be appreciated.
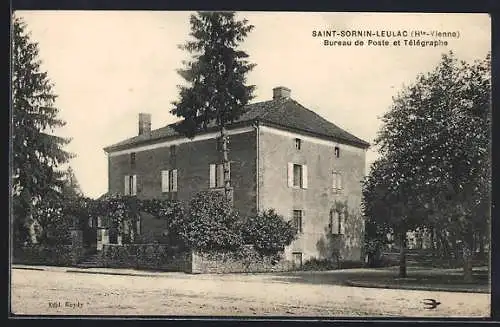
point(65, 293)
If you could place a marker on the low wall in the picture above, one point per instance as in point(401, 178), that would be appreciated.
point(60, 255)
point(146, 256)
point(219, 263)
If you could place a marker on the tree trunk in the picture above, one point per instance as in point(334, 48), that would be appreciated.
point(402, 256)
point(481, 244)
point(433, 246)
point(467, 255)
point(225, 161)
point(455, 248)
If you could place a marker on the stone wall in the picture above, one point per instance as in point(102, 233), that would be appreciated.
point(220, 263)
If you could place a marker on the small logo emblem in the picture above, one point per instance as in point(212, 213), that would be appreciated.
point(431, 304)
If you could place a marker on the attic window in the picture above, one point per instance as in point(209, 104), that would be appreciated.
point(298, 144)
point(172, 150)
point(218, 144)
point(337, 152)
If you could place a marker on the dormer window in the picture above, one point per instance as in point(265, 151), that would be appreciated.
point(298, 144)
point(337, 152)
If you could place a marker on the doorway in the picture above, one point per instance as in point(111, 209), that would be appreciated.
point(297, 259)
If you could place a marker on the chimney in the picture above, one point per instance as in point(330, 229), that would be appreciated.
point(144, 124)
point(281, 92)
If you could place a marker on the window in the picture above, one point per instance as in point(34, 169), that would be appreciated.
point(297, 175)
point(298, 144)
point(337, 152)
point(297, 220)
point(217, 175)
point(132, 160)
point(337, 181)
point(169, 180)
point(172, 150)
point(130, 185)
point(336, 222)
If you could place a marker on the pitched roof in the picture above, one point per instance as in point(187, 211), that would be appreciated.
point(284, 113)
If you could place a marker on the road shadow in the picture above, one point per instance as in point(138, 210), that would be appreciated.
point(445, 278)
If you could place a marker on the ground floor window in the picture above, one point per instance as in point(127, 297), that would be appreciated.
point(297, 220)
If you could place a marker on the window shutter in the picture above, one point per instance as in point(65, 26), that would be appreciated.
point(334, 183)
point(290, 174)
point(174, 180)
point(212, 176)
point(164, 181)
point(127, 185)
point(134, 185)
point(339, 181)
point(304, 176)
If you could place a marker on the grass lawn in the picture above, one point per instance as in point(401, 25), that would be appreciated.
point(418, 278)
point(429, 279)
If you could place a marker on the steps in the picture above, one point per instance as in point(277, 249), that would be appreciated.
point(89, 261)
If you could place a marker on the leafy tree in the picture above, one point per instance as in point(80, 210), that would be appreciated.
point(71, 187)
point(217, 93)
point(210, 224)
point(53, 224)
point(389, 206)
point(268, 232)
point(435, 152)
point(36, 151)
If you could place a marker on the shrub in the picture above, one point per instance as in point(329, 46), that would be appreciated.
point(210, 224)
point(268, 232)
point(350, 264)
point(46, 255)
point(173, 213)
point(319, 264)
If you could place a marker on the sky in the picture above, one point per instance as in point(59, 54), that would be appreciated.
point(108, 66)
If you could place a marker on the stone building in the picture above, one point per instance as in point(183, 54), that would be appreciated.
point(283, 156)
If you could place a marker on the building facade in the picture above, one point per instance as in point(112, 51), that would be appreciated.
point(283, 156)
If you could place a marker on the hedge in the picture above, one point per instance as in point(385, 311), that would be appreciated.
point(154, 256)
point(60, 255)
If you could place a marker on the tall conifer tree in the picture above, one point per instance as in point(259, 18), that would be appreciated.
point(36, 151)
point(216, 93)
